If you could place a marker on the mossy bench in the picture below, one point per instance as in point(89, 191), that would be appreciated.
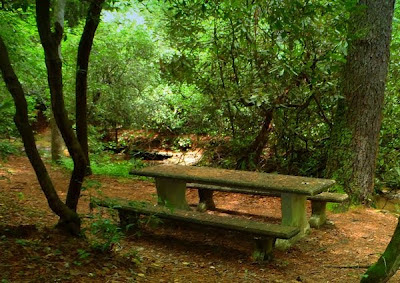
point(318, 202)
point(264, 234)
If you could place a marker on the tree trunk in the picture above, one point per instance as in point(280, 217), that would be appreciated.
point(51, 41)
point(354, 148)
point(56, 141)
point(116, 135)
point(82, 65)
point(69, 217)
point(252, 156)
point(388, 263)
point(56, 138)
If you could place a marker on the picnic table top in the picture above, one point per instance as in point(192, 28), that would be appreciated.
point(238, 179)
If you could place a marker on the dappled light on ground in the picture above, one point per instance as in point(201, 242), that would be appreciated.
point(171, 252)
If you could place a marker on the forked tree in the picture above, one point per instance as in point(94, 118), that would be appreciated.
point(51, 34)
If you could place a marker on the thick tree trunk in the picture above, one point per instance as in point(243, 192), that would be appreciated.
point(51, 41)
point(354, 149)
point(69, 217)
point(388, 263)
point(85, 46)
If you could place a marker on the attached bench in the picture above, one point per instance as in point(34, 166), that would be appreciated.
point(264, 234)
point(318, 206)
point(171, 183)
point(318, 202)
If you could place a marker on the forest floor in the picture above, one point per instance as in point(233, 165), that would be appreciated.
point(338, 252)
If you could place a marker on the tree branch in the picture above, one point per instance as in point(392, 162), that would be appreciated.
point(82, 65)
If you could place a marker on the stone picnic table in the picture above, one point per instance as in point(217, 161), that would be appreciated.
point(171, 183)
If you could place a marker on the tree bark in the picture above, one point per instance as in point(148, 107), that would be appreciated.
point(252, 156)
point(69, 217)
point(354, 147)
point(388, 263)
point(50, 42)
point(56, 138)
point(56, 141)
point(82, 65)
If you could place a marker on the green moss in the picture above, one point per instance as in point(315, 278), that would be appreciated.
point(374, 274)
point(387, 264)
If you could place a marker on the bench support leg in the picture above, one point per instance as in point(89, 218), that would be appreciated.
point(294, 213)
point(206, 201)
point(318, 216)
point(171, 193)
point(263, 249)
point(128, 221)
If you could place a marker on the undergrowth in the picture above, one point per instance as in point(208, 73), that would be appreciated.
point(104, 165)
point(8, 148)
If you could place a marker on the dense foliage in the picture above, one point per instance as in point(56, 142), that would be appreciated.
point(19, 28)
point(261, 57)
point(211, 68)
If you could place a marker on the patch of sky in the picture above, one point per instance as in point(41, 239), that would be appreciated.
point(123, 17)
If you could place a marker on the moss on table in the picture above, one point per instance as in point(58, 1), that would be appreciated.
point(235, 178)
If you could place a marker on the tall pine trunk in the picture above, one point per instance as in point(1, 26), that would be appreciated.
point(354, 147)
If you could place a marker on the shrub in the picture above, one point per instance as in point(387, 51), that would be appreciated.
point(7, 148)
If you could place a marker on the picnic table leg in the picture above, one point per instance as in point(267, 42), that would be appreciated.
point(206, 201)
point(263, 249)
point(171, 193)
point(128, 221)
point(294, 213)
point(318, 215)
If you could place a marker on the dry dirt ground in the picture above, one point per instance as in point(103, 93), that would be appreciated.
point(169, 252)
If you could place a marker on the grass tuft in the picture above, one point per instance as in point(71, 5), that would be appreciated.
point(104, 165)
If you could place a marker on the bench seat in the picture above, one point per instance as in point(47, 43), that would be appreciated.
point(318, 202)
point(263, 233)
point(318, 206)
point(330, 197)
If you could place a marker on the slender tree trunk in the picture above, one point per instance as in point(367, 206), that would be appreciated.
point(116, 135)
point(56, 141)
point(355, 135)
point(252, 156)
point(56, 138)
point(51, 41)
point(82, 65)
point(388, 263)
point(222, 78)
point(69, 217)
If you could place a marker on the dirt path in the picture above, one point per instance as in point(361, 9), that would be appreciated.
point(338, 252)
